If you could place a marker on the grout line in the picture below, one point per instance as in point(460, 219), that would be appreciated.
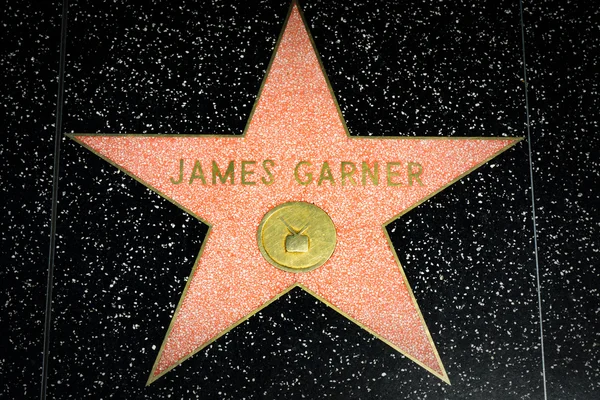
point(53, 221)
point(535, 245)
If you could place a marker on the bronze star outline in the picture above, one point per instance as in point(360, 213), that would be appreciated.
point(127, 152)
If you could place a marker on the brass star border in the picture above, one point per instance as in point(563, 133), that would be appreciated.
point(376, 295)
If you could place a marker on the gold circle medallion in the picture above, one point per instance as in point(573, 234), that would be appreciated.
point(296, 236)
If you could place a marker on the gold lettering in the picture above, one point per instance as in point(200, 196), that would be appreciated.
point(197, 173)
point(392, 174)
point(308, 175)
point(416, 175)
point(270, 180)
point(373, 174)
point(177, 182)
point(216, 172)
point(325, 174)
point(348, 173)
point(246, 172)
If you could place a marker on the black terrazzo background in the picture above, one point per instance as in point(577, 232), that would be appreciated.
point(564, 48)
point(29, 63)
point(439, 68)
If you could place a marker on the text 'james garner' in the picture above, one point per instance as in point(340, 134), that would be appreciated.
point(344, 173)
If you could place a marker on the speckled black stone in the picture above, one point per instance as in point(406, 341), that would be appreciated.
point(442, 68)
point(563, 46)
point(29, 58)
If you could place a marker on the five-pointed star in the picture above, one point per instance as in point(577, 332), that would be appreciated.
point(295, 118)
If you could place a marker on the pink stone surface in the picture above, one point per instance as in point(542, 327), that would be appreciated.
point(295, 119)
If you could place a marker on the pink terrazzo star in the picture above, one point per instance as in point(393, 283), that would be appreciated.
point(296, 119)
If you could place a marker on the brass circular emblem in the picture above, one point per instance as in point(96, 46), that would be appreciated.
point(296, 236)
